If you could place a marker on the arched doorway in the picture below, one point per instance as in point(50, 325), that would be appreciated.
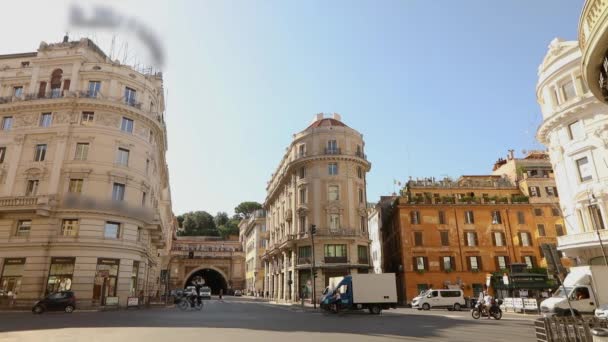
point(214, 279)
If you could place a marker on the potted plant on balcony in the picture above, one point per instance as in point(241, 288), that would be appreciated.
point(520, 199)
point(447, 199)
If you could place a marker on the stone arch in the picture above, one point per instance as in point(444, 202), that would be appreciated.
point(210, 274)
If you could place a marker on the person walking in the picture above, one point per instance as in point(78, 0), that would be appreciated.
point(221, 295)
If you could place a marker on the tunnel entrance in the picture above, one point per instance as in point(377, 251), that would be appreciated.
point(213, 279)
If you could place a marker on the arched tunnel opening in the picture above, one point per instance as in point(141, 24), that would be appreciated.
point(212, 278)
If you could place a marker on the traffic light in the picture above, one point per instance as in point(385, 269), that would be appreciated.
point(190, 255)
point(314, 274)
point(313, 229)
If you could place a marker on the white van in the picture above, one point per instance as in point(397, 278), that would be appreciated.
point(451, 299)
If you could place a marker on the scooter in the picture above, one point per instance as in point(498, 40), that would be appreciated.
point(477, 312)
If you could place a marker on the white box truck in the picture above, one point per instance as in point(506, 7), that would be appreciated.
point(374, 292)
point(585, 287)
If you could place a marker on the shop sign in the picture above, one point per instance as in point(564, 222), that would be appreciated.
point(133, 301)
point(102, 261)
point(14, 261)
point(530, 304)
point(111, 301)
point(518, 303)
point(62, 260)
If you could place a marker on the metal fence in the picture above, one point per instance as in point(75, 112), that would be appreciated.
point(566, 329)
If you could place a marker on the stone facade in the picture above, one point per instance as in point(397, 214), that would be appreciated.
point(85, 202)
point(320, 181)
point(254, 238)
point(575, 129)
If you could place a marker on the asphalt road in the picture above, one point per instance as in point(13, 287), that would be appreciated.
point(239, 319)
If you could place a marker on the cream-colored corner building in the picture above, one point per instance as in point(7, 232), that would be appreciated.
point(254, 238)
point(321, 181)
point(575, 129)
point(85, 202)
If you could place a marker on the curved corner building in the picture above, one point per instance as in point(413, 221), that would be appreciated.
point(320, 181)
point(85, 203)
point(575, 129)
point(593, 42)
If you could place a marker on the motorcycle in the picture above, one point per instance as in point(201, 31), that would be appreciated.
point(189, 301)
point(478, 311)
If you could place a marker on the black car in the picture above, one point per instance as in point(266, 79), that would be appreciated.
point(58, 301)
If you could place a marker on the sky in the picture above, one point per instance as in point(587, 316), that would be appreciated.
point(437, 88)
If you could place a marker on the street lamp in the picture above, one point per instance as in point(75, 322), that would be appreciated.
point(597, 224)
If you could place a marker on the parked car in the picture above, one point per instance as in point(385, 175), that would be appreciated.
point(451, 299)
point(238, 293)
point(205, 292)
point(58, 301)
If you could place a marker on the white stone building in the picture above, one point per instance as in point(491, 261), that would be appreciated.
point(375, 248)
point(575, 129)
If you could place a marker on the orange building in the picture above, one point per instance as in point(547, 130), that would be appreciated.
point(443, 233)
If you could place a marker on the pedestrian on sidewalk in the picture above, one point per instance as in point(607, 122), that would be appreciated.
point(221, 295)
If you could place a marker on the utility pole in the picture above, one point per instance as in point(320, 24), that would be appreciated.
point(313, 230)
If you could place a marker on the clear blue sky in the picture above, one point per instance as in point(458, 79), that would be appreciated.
point(436, 87)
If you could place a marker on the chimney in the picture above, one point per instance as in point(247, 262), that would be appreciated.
point(337, 117)
point(511, 154)
point(317, 117)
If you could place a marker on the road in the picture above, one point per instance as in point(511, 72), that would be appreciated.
point(240, 319)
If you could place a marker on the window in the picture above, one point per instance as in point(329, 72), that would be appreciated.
point(359, 172)
point(118, 192)
point(335, 250)
point(17, 91)
point(122, 157)
point(301, 150)
point(302, 224)
point(332, 147)
point(362, 224)
point(569, 92)
point(471, 239)
point(576, 130)
point(501, 262)
point(333, 193)
point(302, 172)
point(334, 221)
point(60, 275)
point(447, 263)
point(556, 212)
point(441, 216)
point(524, 239)
point(140, 234)
point(143, 199)
point(474, 263)
point(468, 217)
point(414, 217)
point(498, 239)
point(23, 227)
point(126, 125)
point(584, 169)
point(69, 227)
point(596, 217)
point(94, 87)
point(538, 212)
point(82, 150)
point(130, 96)
point(496, 219)
point(521, 218)
point(529, 261)
point(40, 152)
point(534, 191)
point(304, 252)
point(75, 186)
point(32, 187)
point(559, 230)
point(541, 229)
point(134, 276)
point(106, 278)
point(333, 169)
point(45, 120)
point(420, 264)
point(445, 238)
point(361, 197)
point(112, 230)
point(87, 117)
point(7, 123)
point(12, 271)
point(2, 154)
point(362, 254)
point(551, 191)
point(417, 238)
point(302, 195)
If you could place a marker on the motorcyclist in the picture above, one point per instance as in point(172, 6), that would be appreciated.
point(488, 300)
point(198, 284)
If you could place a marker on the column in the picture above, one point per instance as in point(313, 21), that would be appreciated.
point(294, 285)
point(265, 286)
point(74, 86)
point(34, 82)
point(60, 149)
point(285, 276)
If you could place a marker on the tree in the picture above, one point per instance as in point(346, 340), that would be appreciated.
point(198, 223)
point(230, 228)
point(221, 218)
point(245, 209)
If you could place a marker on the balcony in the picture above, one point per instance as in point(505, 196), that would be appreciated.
point(581, 240)
point(333, 151)
point(339, 232)
point(335, 260)
point(361, 155)
point(363, 261)
point(39, 204)
point(304, 261)
point(593, 41)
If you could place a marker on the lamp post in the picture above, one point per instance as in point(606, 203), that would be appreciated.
point(597, 224)
point(313, 231)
